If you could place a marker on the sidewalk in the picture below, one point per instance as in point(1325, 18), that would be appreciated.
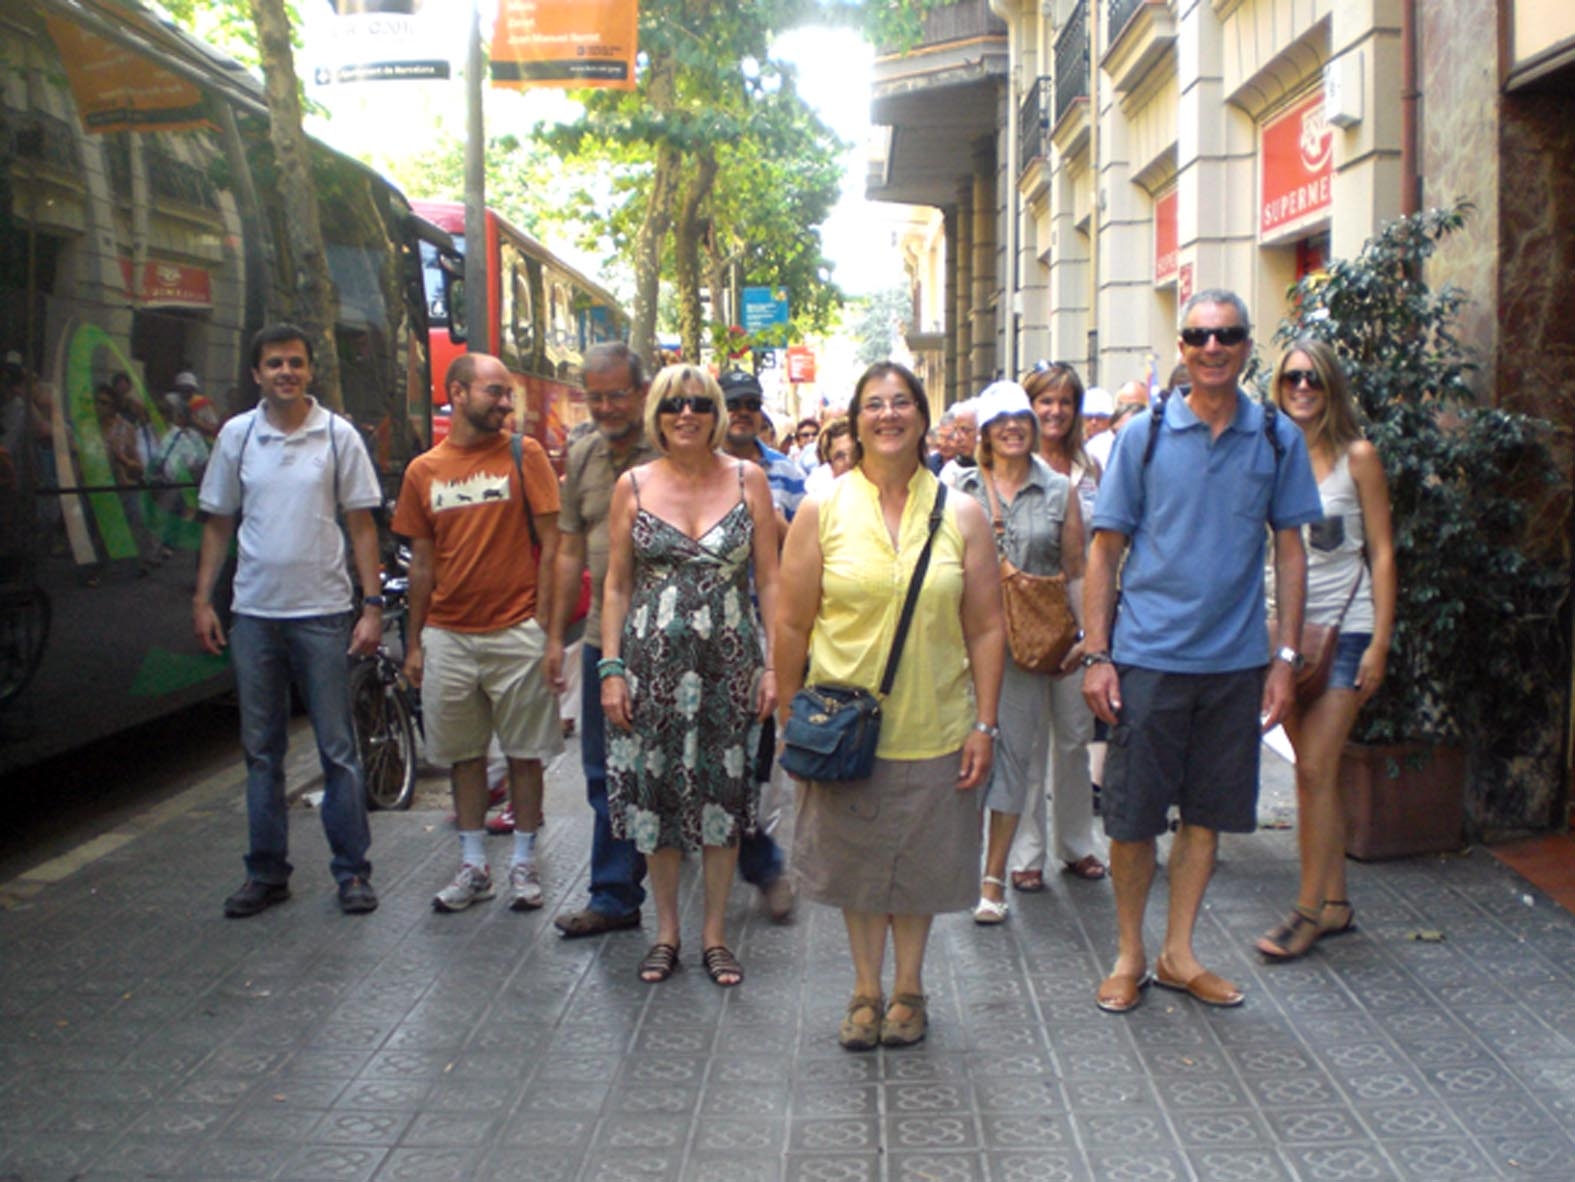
point(143, 1035)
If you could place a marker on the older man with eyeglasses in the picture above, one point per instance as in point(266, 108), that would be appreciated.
point(1184, 674)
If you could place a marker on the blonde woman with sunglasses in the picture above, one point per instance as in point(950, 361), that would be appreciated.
point(1350, 584)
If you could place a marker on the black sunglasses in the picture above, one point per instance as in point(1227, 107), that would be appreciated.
point(745, 403)
point(697, 404)
point(1295, 377)
point(1196, 338)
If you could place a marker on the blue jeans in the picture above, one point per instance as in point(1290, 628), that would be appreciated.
point(617, 868)
point(265, 653)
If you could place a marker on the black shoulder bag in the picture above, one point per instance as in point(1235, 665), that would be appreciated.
point(832, 730)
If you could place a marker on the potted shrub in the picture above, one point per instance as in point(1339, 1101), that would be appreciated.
point(1477, 663)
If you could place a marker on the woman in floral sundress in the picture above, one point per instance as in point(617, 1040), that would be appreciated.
point(686, 678)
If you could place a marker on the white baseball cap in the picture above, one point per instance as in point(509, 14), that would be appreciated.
point(1000, 399)
point(1097, 403)
point(187, 378)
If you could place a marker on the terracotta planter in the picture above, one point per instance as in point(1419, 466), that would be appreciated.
point(1403, 800)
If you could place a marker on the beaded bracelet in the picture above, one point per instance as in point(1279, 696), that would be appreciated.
point(609, 667)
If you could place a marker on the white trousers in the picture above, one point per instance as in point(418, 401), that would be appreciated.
point(1067, 782)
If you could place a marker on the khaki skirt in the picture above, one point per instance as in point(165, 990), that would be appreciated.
point(903, 842)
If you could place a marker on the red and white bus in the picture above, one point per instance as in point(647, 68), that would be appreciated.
point(542, 315)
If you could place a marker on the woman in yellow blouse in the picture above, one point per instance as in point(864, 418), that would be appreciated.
point(897, 849)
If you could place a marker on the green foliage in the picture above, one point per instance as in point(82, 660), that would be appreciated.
point(1477, 652)
point(877, 321)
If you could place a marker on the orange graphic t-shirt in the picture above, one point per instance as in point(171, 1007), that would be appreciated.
point(467, 500)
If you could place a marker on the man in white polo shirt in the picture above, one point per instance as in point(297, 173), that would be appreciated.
point(287, 469)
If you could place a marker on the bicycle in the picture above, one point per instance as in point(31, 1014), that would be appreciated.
point(386, 712)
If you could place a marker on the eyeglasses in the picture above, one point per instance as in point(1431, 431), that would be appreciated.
point(695, 404)
point(615, 398)
point(1230, 335)
point(1052, 367)
point(878, 406)
point(496, 390)
point(1295, 377)
point(750, 404)
point(807, 434)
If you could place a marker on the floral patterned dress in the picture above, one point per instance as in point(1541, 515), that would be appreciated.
point(684, 776)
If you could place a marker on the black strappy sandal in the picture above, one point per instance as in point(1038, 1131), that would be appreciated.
point(659, 963)
point(720, 963)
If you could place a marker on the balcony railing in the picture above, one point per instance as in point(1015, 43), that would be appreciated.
point(1033, 124)
point(45, 139)
point(1071, 60)
point(1119, 13)
point(959, 20)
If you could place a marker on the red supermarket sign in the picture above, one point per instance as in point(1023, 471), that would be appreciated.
point(171, 285)
point(1297, 169)
point(1165, 239)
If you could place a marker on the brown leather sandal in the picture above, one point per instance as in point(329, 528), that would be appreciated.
point(854, 1035)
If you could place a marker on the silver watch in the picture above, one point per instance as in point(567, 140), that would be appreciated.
point(984, 728)
point(1291, 657)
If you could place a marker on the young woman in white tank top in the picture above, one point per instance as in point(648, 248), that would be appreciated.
point(1351, 548)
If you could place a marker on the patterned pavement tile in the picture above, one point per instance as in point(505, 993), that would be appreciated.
point(1135, 1166)
point(936, 1167)
point(824, 1167)
point(1239, 1165)
point(1439, 1159)
point(1361, 1161)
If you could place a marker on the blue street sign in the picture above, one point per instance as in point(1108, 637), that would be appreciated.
point(764, 308)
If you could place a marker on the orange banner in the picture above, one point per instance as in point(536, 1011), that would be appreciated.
point(566, 43)
point(118, 90)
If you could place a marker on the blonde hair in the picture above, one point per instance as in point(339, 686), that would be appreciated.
point(1338, 427)
point(676, 381)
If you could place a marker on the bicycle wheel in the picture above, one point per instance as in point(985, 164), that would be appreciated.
point(385, 736)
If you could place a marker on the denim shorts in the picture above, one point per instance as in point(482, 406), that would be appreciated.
point(1348, 652)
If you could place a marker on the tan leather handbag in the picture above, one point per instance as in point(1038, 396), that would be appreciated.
point(1040, 627)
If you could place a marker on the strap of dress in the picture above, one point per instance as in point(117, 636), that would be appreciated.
point(634, 483)
point(740, 465)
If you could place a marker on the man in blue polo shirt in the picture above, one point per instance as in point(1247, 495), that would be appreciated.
point(1186, 681)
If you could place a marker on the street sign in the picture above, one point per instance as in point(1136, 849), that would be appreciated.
point(764, 307)
point(800, 363)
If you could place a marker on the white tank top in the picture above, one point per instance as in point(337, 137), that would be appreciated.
point(1335, 555)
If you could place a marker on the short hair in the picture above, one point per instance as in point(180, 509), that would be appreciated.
point(1058, 375)
point(673, 381)
point(1338, 426)
point(1215, 295)
point(610, 354)
point(882, 369)
point(461, 370)
point(832, 431)
point(278, 334)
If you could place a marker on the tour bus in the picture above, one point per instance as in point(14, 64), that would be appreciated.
point(542, 315)
point(142, 242)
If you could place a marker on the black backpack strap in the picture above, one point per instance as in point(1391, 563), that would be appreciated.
point(240, 463)
point(919, 570)
point(517, 448)
point(1271, 414)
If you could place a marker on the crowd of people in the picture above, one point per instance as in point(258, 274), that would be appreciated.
point(871, 552)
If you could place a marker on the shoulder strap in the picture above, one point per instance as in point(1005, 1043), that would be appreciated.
point(1271, 415)
point(919, 570)
point(739, 465)
point(240, 461)
point(517, 449)
point(634, 487)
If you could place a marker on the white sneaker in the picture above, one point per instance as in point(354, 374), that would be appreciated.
point(525, 887)
point(471, 885)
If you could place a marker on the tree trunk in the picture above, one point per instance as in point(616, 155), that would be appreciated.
point(686, 251)
point(716, 280)
point(312, 298)
point(658, 218)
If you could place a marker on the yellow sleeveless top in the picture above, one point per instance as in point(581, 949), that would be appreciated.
point(864, 580)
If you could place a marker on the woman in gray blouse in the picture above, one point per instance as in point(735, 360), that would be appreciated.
point(1039, 528)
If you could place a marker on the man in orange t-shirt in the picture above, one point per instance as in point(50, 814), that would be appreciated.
point(477, 638)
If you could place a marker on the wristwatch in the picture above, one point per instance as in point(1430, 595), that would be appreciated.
point(373, 601)
point(984, 728)
point(1291, 657)
point(1099, 658)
